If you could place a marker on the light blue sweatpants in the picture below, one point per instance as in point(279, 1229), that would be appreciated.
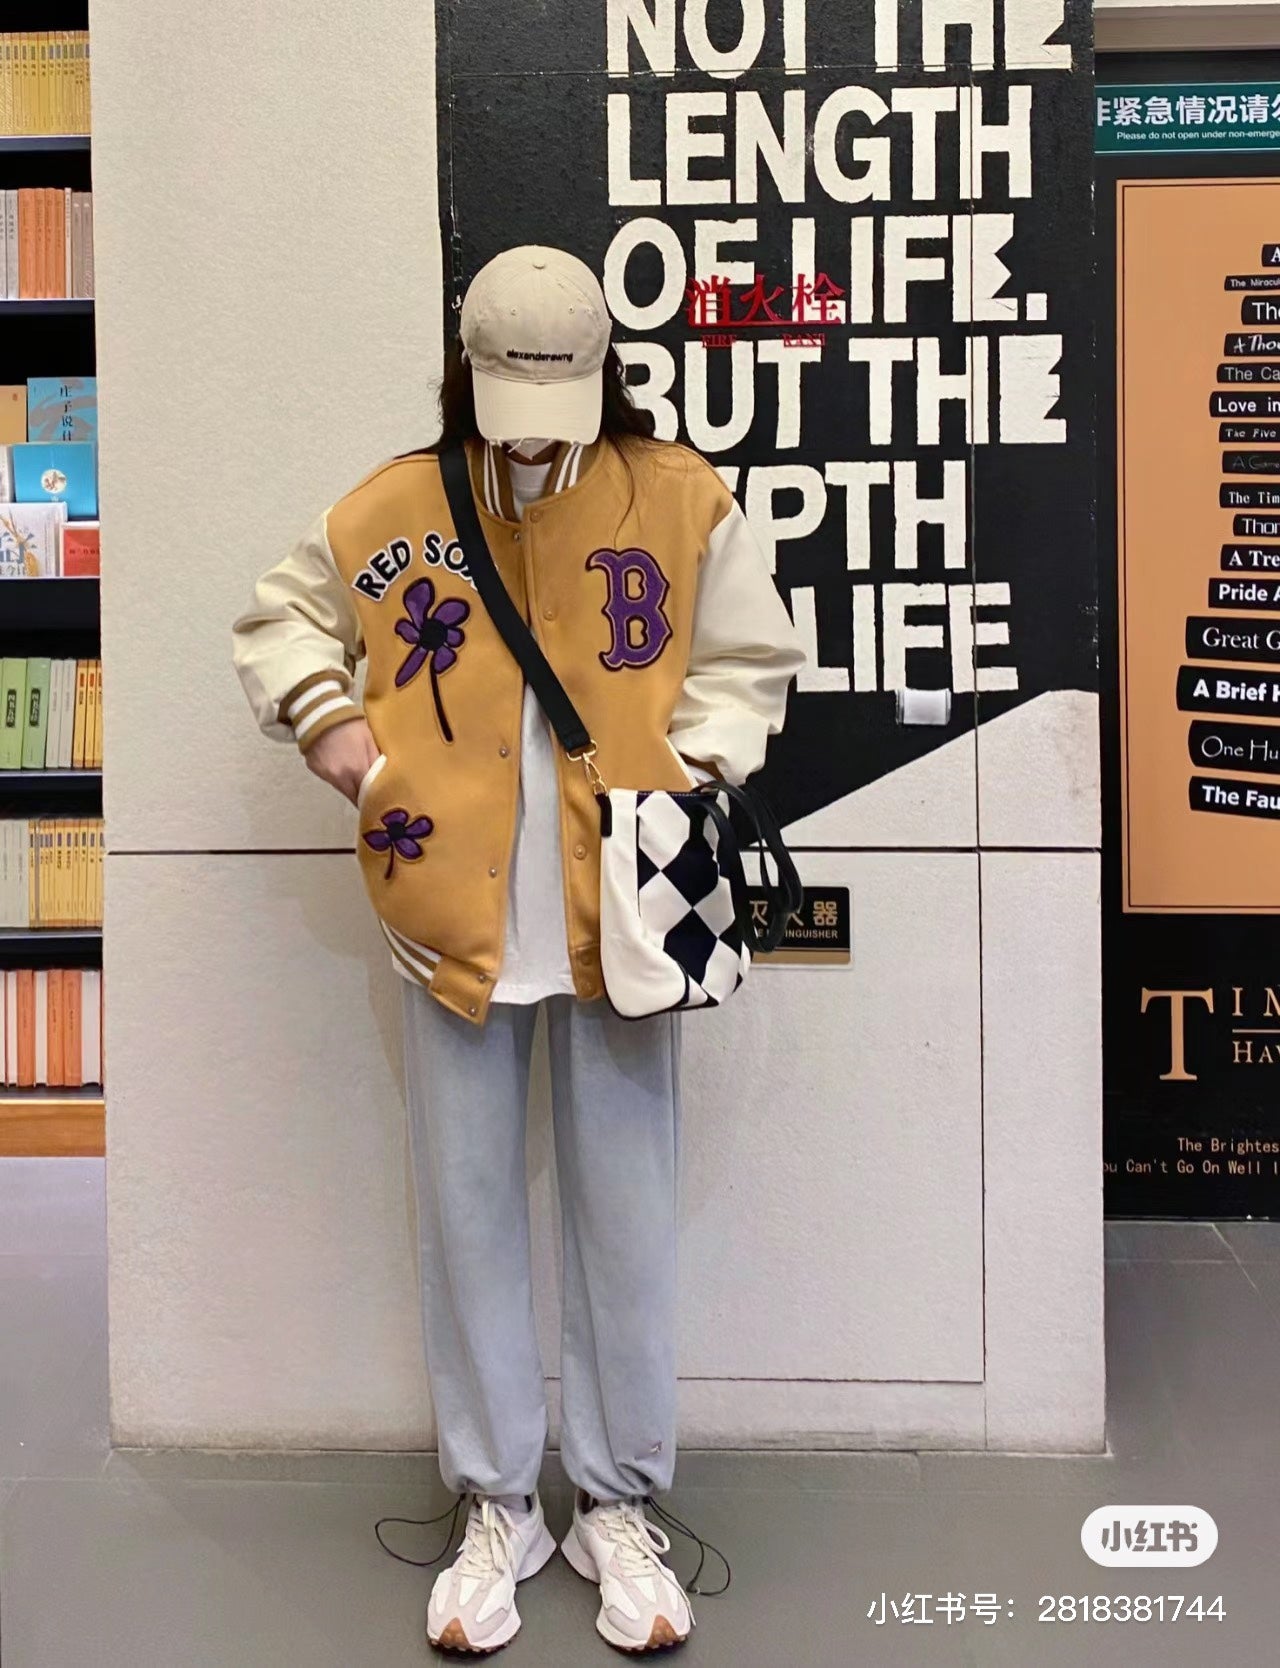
point(616, 1108)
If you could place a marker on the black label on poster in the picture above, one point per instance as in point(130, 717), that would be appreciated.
point(1252, 345)
point(1236, 496)
point(1260, 404)
point(1249, 371)
point(1202, 690)
point(1246, 434)
point(1223, 746)
point(1251, 463)
point(1256, 527)
point(1250, 558)
point(818, 934)
point(1252, 281)
point(1244, 593)
point(1270, 255)
point(1224, 797)
point(1260, 309)
point(1233, 639)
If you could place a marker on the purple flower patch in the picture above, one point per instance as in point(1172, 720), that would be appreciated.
point(399, 836)
point(436, 636)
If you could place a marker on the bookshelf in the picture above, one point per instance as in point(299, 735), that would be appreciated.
point(59, 1123)
point(63, 306)
point(45, 945)
point(28, 144)
point(49, 617)
point(37, 783)
point(58, 607)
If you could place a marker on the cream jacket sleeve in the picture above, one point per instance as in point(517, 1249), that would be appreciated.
point(296, 646)
point(742, 658)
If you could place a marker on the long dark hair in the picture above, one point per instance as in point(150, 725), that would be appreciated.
point(620, 420)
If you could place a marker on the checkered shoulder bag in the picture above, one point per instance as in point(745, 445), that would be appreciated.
point(677, 924)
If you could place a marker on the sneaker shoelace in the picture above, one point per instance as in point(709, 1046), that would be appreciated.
point(640, 1543)
point(486, 1543)
point(451, 1512)
point(691, 1586)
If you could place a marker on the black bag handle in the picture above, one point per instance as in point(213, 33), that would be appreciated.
point(562, 715)
point(783, 896)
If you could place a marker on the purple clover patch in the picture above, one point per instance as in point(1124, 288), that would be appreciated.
point(436, 636)
point(399, 836)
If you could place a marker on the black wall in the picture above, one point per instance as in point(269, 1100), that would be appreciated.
point(523, 158)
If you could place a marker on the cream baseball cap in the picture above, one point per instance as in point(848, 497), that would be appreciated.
point(535, 330)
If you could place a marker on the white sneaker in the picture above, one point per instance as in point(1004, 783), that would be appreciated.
point(473, 1603)
point(642, 1605)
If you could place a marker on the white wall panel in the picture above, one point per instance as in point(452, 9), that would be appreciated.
point(832, 1140)
point(1038, 773)
point(831, 1148)
point(262, 1281)
point(930, 802)
point(268, 274)
point(1042, 1033)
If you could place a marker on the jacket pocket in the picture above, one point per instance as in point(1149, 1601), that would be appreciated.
point(367, 779)
point(694, 777)
point(393, 844)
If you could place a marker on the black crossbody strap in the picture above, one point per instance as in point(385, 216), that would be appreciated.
point(562, 715)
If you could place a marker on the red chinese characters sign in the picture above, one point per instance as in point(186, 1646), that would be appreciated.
point(719, 310)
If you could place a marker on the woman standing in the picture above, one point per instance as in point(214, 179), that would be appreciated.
point(479, 842)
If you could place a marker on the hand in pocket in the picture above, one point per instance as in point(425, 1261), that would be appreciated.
point(343, 756)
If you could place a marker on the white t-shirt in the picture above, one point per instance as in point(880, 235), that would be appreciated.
point(535, 956)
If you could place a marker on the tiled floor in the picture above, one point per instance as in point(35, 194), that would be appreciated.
point(173, 1560)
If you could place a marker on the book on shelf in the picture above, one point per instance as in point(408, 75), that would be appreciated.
point(30, 538)
point(44, 82)
point(57, 472)
point(38, 542)
point(48, 444)
point(50, 714)
point(55, 408)
point(51, 872)
point(46, 244)
point(35, 707)
point(80, 558)
point(12, 246)
point(13, 413)
point(50, 1027)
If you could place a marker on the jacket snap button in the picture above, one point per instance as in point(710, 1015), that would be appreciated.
point(535, 515)
point(503, 752)
point(493, 873)
point(548, 613)
point(473, 1010)
point(579, 851)
point(516, 537)
point(482, 978)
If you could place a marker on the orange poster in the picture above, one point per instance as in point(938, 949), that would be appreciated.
point(1198, 323)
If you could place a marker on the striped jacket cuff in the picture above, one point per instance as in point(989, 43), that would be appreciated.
point(316, 705)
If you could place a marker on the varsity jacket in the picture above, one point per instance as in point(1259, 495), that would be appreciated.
point(649, 595)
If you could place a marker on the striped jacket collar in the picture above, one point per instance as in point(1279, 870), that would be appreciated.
point(491, 474)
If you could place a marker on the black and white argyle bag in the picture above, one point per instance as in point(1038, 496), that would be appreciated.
point(677, 929)
point(677, 924)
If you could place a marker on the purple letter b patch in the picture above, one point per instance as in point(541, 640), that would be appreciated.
point(637, 586)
